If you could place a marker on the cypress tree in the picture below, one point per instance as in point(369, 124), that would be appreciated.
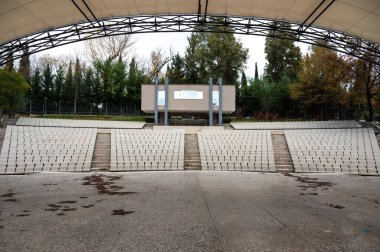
point(10, 62)
point(68, 90)
point(24, 68)
point(77, 82)
point(48, 79)
point(256, 72)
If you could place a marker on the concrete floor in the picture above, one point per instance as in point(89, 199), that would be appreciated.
point(189, 211)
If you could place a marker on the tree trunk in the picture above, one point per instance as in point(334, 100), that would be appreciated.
point(369, 104)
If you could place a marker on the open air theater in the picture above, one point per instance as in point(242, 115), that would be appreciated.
point(192, 160)
point(52, 145)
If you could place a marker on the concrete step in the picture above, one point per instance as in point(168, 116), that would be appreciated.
point(101, 165)
point(95, 169)
point(282, 157)
point(101, 158)
point(190, 161)
point(192, 155)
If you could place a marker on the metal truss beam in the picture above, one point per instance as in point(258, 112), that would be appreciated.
point(334, 40)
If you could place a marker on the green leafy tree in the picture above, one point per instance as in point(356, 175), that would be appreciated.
point(68, 88)
point(9, 66)
point(58, 84)
point(281, 101)
point(256, 72)
point(214, 55)
point(134, 81)
point(48, 82)
point(320, 82)
point(168, 73)
point(243, 86)
point(177, 69)
point(366, 81)
point(77, 83)
point(24, 68)
point(12, 91)
point(105, 69)
point(36, 83)
point(194, 63)
point(89, 87)
point(283, 56)
point(120, 81)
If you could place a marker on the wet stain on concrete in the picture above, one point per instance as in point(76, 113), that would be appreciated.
point(105, 184)
point(67, 202)
point(51, 209)
point(335, 206)
point(66, 209)
point(61, 207)
point(313, 193)
point(88, 206)
point(311, 183)
point(121, 212)
point(10, 200)
point(22, 215)
point(8, 195)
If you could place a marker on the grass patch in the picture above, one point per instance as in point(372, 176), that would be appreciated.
point(137, 118)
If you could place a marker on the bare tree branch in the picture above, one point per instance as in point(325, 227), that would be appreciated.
point(109, 48)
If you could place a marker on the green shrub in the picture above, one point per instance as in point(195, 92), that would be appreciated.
point(149, 119)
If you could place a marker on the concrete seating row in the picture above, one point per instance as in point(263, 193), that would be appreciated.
point(334, 150)
point(295, 125)
point(36, 149)
point(240, 150)
point(147, 150)
point(44, 122)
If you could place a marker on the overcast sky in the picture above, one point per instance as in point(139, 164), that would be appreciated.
point(145, 43)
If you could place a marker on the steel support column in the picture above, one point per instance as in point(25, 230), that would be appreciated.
point(166, 102)
point(210, 107)
point(156, 100)
point(220, 102)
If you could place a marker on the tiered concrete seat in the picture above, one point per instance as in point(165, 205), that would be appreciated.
point(334, 150)
point(35, 149)
point(147, 150)
point(236, 150)
point(42, 122)
point(296, 125)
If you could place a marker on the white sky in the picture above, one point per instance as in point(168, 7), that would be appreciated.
point(177, 42)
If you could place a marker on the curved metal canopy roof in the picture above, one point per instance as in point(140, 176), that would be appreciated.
point(22, 18)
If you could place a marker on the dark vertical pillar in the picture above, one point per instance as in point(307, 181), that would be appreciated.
point(210, 102)
point(166, 101)
point(156, 101)
point(220, 102)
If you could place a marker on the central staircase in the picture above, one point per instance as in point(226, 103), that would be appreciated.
point(192, 156)
point(282, 158)
point(101, 158)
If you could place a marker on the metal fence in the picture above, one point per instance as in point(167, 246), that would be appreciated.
point(63, 107)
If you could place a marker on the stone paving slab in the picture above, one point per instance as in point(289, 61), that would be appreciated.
point(189, 211)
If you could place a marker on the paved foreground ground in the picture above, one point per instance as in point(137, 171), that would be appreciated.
point(189, 211)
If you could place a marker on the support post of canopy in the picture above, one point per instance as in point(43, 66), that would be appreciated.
point(210, 102)
point(220, 102)
point(156, 100)
point(166, 101)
